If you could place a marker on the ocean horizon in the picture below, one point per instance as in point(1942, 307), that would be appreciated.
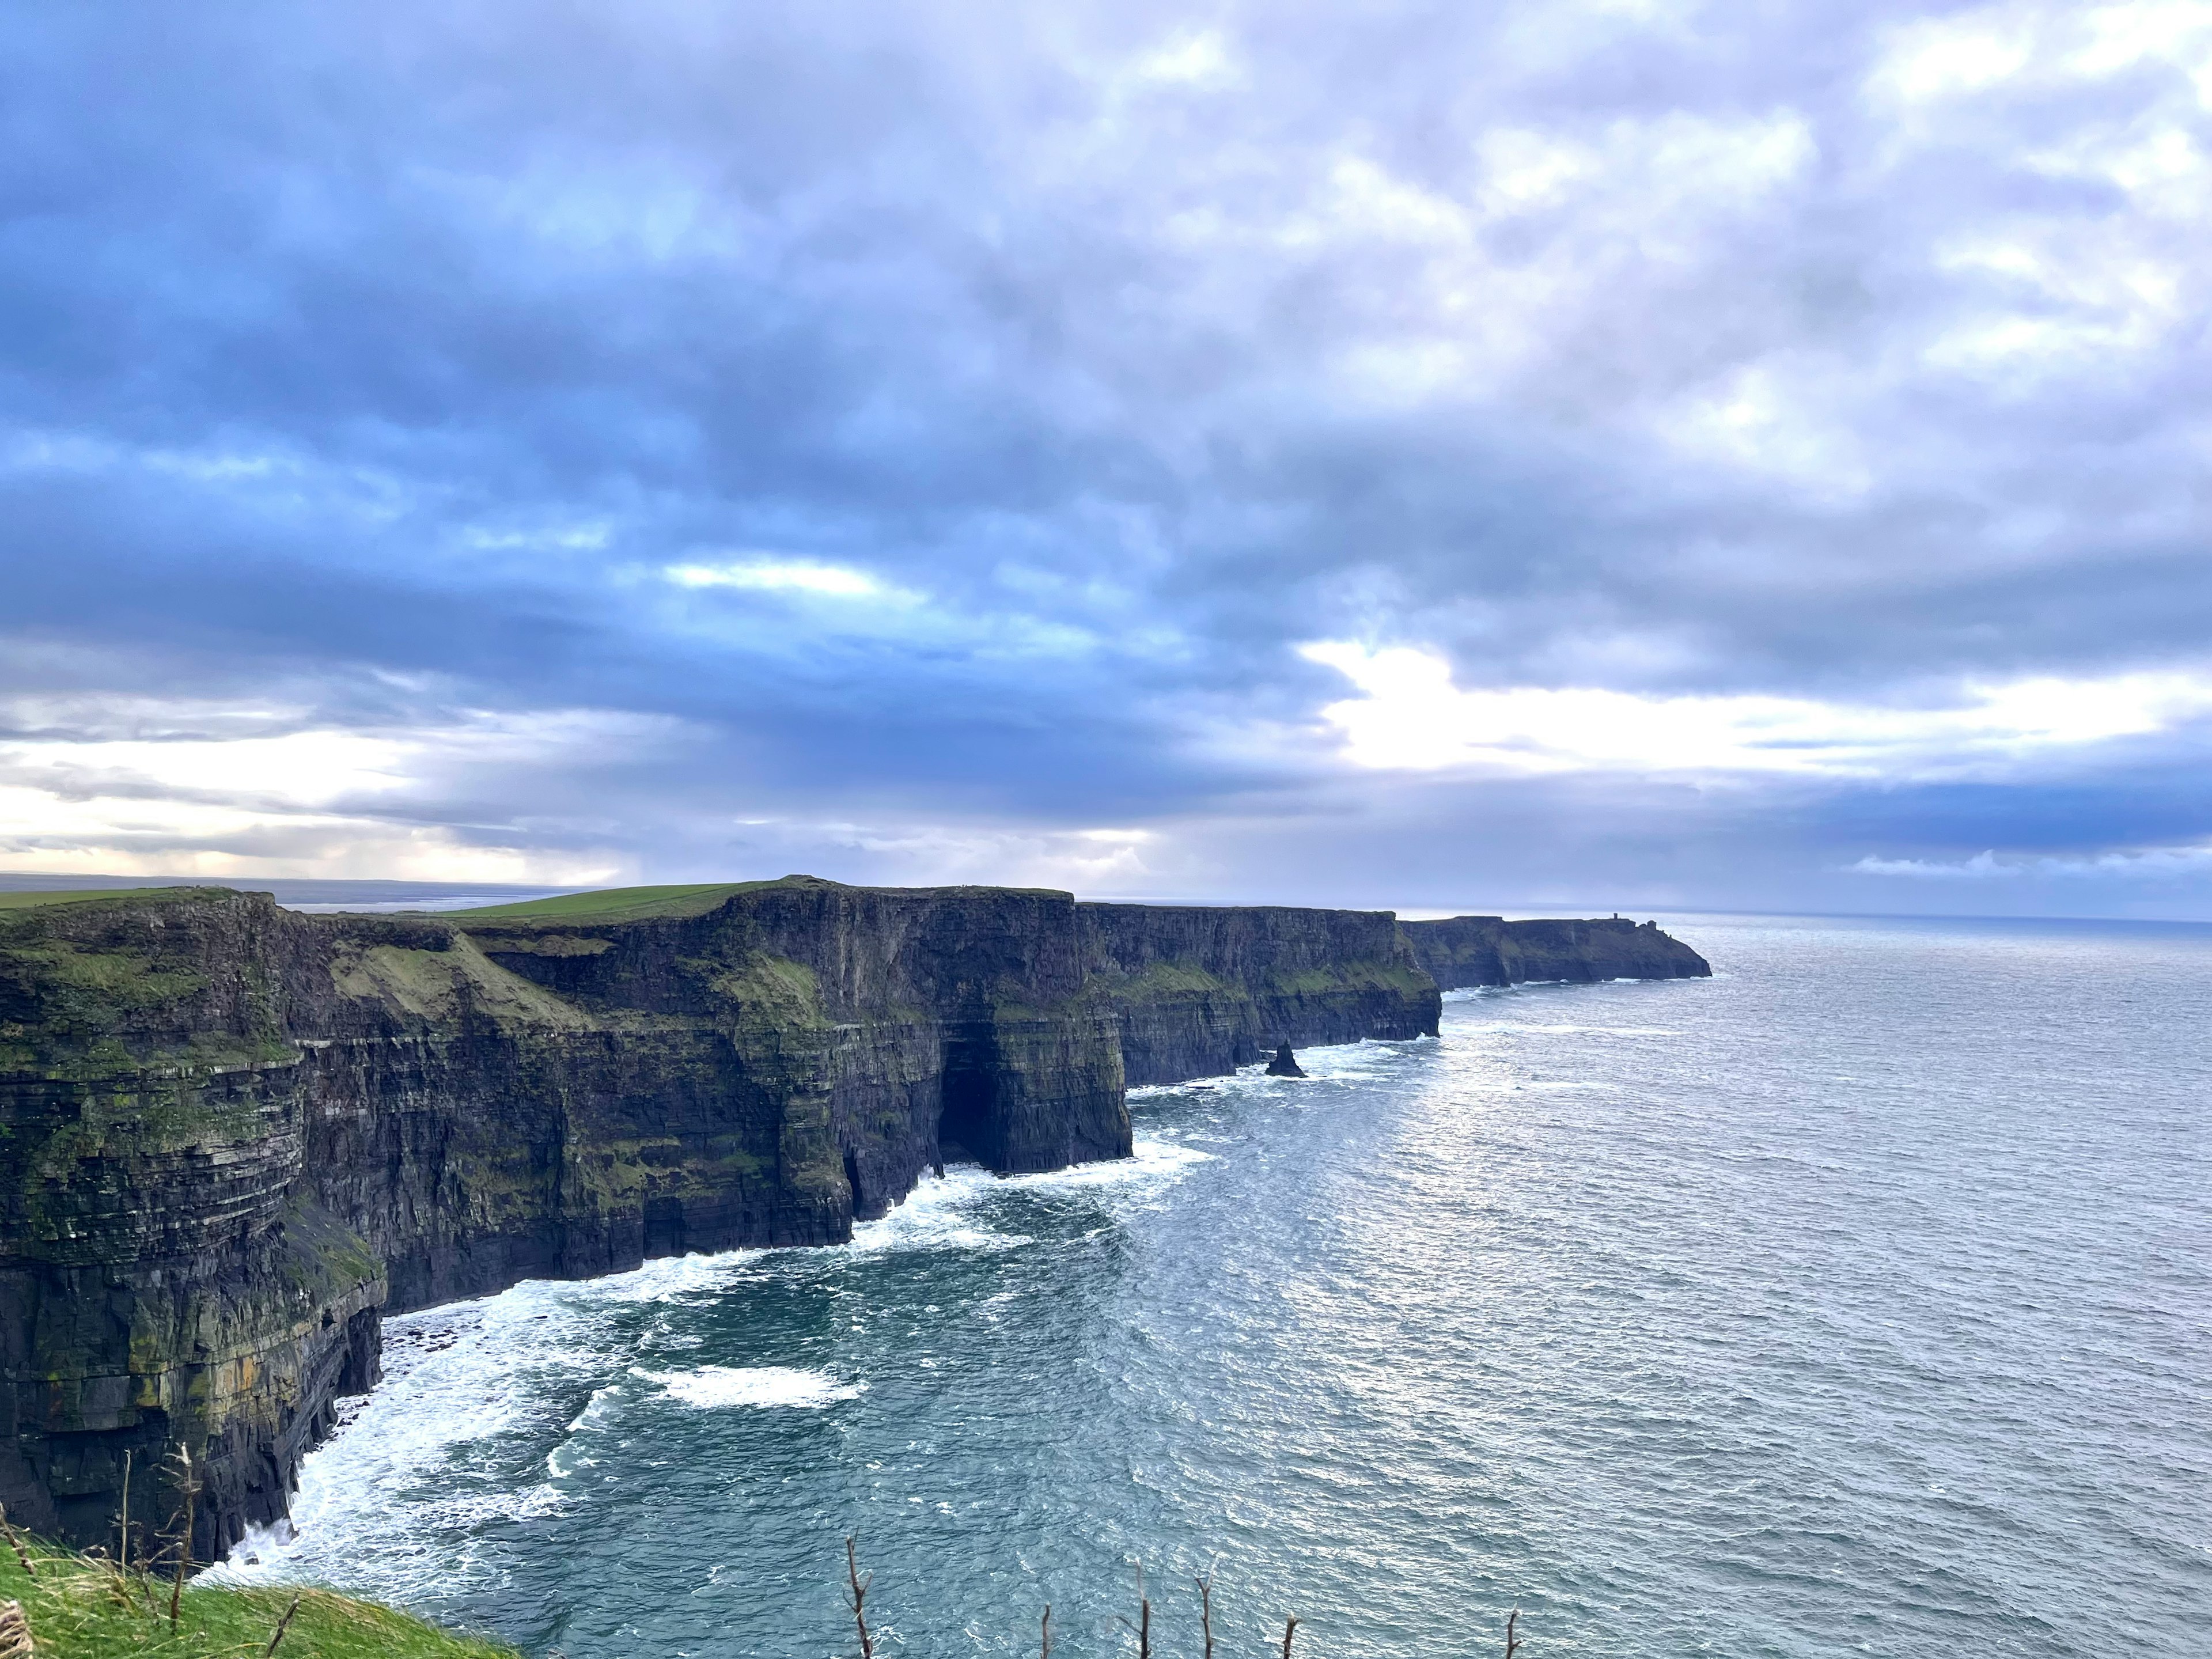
point(1852, 1301)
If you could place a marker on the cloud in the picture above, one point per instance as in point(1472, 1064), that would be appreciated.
point(2149, 864)
point(954, 421)
point(1410, 716)
point(135, 785)
point(773, 576)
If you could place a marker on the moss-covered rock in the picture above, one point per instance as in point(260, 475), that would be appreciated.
point(233, 1138)
point(1478, 951)
point(1198, 992)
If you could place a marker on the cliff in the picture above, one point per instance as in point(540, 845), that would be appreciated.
point(1472, 951)
point(1197, 992)
point(233, 1138)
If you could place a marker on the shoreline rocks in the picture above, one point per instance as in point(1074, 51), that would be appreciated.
point(236, 1136)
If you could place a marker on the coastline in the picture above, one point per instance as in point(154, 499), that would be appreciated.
point(277, 1129)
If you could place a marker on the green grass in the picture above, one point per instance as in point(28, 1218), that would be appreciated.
point(1162, 979)
point(125, 895)
point(641, 904)
point(81, 1608)
point(614, 904)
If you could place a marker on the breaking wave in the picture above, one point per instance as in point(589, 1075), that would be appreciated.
point(756, 1385)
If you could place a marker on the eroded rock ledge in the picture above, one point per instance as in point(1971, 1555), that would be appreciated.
point(1477, 950)
point(233, 1138)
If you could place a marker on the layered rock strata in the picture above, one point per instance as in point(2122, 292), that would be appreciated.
point(1198, 991)
point(233, 1138)
point(1476, 950)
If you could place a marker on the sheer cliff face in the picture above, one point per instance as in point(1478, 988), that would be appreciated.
point(1471, 950)
point(231, 1138)
point(1198, 993)
point(235, 1136)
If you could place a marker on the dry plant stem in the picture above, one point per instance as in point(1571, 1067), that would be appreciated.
point(22, 1556)
point(1143, 1627)
point(147, 1560)
point(283, 1624)
point(1045, 1651)
point(1206, 1611)
point(859, 1594)
point(1290, 1629)
point(123, 1518)
point(15, 1642)
point(1512, 1642)
point(189, 1486)
point(118, 1586)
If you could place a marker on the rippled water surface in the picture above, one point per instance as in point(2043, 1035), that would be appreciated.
point(1856, 1301)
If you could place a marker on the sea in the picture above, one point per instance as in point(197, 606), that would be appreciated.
point(1858, 1300)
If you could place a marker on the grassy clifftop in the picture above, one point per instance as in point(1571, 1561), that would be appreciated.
point(614, 904)
point(120, 895)
point(610, 904)
point(79, 1607)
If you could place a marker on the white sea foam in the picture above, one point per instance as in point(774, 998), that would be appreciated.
point(248, 1551)
point(601, 1406)
point(752, 1385)
point(567, 1458)
point(934, 1217)
point(399, 1496)
point(462, 1385)
point(1149, 1160)
point(1534, 1292)
point(468, 1510)
point(1339, 1062)
point(669, 1278)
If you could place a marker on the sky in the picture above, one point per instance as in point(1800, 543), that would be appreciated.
point(1609, 453)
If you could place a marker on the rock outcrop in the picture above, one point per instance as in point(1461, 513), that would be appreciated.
point(1476, 950)
point(1198, 991)
point(233, 1137)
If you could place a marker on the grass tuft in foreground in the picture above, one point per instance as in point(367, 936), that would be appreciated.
point(80, 1606)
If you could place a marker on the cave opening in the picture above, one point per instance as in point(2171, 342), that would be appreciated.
point(967, 1124)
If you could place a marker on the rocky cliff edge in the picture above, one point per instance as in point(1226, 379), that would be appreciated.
point(1464, 952)
point(233, 1137)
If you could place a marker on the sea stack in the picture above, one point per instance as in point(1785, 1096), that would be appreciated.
point(234, 1137)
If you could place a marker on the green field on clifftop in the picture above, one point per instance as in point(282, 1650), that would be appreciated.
point(125, 895)
point(614, 903)
point(81, 1608)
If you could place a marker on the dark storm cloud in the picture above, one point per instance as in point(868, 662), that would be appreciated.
point(381, 363)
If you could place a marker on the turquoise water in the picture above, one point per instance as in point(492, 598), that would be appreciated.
point(1858, 1300)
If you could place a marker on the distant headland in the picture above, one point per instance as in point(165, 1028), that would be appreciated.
point(236, 1136)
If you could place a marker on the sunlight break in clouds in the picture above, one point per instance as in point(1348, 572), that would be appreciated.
point(1410, 716)
point(1105, 859)
point(776, 576)
point(131, 785)
point(949, 422)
